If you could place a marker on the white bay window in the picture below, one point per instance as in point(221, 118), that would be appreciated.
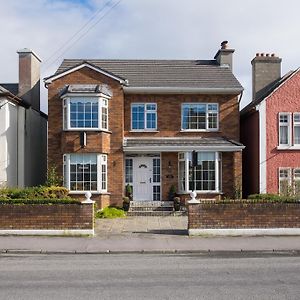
point(85, 172)
point(206, 173)
point(85, 113)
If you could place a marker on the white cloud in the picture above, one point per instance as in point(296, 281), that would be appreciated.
point(152, 29)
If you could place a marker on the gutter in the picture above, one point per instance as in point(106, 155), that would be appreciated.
point(180, 90)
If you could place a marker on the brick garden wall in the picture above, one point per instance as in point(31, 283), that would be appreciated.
point(243, 215)
point(54, 216)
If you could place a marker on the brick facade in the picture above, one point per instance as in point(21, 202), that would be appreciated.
point(51, 217)
point(169, 125)
point(243, 215)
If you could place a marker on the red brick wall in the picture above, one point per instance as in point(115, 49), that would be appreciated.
point(285, 99)
point(244, 215)
point(54, 216)
point(61, 142)
point(169, 115)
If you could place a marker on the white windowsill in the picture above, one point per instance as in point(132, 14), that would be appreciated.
point(201, 192)
point(88, 129)
point(288, 147)
point(199, 130)
point(143, 130)
point(93, 193)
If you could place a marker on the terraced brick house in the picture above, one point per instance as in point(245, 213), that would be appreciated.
point(119, 122)
point(270, 129)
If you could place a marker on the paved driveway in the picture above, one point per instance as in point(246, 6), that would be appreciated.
point(176, 225)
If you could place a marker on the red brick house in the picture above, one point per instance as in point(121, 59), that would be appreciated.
point(119, 122)
point(270, 130)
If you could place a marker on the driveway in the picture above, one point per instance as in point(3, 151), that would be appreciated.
point(171, 225)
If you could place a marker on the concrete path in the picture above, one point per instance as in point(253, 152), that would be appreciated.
point(138, 225)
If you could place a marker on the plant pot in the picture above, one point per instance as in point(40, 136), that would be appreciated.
point(126, 206)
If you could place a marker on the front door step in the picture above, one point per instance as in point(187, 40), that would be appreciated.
point(151, 208)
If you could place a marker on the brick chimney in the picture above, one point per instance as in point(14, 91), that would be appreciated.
point(224, 55)
point(29, 77)
point(266, 69)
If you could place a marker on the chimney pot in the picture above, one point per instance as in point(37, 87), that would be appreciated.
point(224, 45)
point(267, 55)
point(257, 54)
point(262, 54)
point(273, 54)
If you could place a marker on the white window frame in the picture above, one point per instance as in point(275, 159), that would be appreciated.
point(145, 116)
point(295, 124)
point(295, 179)
point(207, 112)
point(288, 125)
point(102, 102)
point(281, 179)
point(101, 160)
point(218, 181)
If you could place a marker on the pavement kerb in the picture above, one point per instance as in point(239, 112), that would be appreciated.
point(160, 252)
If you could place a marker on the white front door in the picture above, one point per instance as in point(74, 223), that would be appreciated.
point(142, 178)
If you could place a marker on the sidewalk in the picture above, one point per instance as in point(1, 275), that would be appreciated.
point(145, 235)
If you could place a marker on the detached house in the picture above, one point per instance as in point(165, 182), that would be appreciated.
point(119, 122)
point(23, 127)
point(270, 129)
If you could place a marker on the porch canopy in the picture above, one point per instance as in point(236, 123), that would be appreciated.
point(176, 144)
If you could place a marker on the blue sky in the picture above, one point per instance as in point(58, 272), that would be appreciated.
point(162, 29)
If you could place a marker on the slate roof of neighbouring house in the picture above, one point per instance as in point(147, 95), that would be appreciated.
point(163, 73)
point(11, 87)
point(270, 89)
point(192, 143)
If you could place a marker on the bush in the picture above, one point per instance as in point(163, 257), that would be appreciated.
point(110, 213)
point(273, 198)
point(38, 192)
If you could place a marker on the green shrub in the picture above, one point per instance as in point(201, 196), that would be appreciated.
point(110, 213)
point(273, 198)
point(38, 192)
point(38, 201)
point(53, 179)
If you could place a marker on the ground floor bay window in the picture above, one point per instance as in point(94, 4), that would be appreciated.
point(85, 172)
point(207, 173)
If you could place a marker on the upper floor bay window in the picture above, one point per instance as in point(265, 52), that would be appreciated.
point(85, 113)
point(85, 172)
point(207, 172)
point(200, 116)
point(144, 116)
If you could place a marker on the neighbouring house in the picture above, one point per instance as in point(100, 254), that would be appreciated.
point(136, 122)
point(23, 127)
point(270, 129)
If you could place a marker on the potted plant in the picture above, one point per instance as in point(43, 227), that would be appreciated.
point(176, 203)
point(126, 203)
point(172, 193)
point(128, 192)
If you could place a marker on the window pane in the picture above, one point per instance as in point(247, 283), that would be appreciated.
point(128, 170)
point(283, 135)
point(82, 113)
point(197, 116)
point(83, 176)
point(205, 172)
point(156, 170)
point(138, 116)
point(156, 193)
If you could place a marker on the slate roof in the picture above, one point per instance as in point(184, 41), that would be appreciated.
point(11, 87)
point(177, 143)
point(163, 73)
point(269, 90)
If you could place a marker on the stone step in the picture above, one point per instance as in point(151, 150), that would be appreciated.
point(150, 213)
point(153, 208)
point(151, 204)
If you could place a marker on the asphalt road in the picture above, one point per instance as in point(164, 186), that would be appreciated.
point(143, 276)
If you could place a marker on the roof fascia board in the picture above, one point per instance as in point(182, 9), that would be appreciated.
point(85, 95)
point(99, 70)
point(180, 90)
point(183, 148)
